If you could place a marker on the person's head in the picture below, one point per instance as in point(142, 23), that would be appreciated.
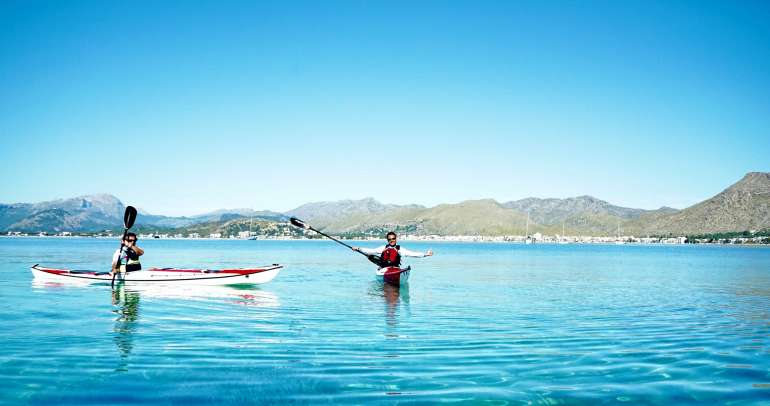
point(391, 237)
point(129, 238)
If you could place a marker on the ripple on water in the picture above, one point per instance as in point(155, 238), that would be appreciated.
point(495, 323)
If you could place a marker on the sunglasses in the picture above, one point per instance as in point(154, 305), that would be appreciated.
point(130, 240)
point(391, 239)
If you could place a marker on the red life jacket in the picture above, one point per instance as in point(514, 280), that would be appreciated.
point(390, 256)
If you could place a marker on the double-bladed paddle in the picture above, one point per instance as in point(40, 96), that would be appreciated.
point(128, 221)
point(301, 224)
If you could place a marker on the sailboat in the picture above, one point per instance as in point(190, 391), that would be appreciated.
point(251, 237)
point(618, 240)
point(529, 239)
point(563, 239)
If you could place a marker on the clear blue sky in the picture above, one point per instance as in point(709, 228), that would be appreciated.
point(185, 107)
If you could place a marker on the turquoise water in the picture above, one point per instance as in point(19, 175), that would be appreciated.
point(546, 324)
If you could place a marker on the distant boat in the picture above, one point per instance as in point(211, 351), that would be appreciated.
point(618, 240)
point(529, 239)
point(562, 240)
point(251, 237)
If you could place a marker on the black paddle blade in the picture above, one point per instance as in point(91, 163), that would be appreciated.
point(299, 223)
point(375, 259)
point(129, 217)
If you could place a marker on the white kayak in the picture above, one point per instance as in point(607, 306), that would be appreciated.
point(394, 275)
point(163, 275)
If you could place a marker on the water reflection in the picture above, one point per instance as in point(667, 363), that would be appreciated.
point(245, 295)
point(394, 297)
point(127, 311)
point(129, 300)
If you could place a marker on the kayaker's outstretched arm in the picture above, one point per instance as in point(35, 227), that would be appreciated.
point(416, 254)
point(370, 251)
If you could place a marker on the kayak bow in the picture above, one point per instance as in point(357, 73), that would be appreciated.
point(394, 275)
point(164, 275)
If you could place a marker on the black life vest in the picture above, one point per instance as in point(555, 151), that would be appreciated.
point(132, 260)
point(390, 256)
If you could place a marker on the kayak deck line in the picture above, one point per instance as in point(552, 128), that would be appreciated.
point(256, 275)
point(239, 271)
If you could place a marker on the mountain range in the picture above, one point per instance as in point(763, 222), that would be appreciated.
point(743, 206)
point(102, 212)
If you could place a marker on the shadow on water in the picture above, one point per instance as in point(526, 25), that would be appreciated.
point(127, 311)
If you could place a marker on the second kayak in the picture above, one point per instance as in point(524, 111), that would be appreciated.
point(175, 276)
point(394, 275)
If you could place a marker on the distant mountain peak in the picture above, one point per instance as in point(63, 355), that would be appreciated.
point(754, 182)
point(667, 209)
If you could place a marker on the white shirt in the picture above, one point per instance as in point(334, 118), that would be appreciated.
point(403, 251)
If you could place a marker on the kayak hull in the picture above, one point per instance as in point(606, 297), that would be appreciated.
point(159, 276)
point(394, 275)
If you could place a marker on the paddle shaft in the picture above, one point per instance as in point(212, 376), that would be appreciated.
point(333, 239)
point(301, 224)
point(120, 254)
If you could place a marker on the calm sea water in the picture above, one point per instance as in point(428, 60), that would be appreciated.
point(496, 323)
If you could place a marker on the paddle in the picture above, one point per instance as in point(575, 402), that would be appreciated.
point(301, 224)
point(128, 221)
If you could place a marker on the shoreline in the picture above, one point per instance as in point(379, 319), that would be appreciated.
point(583, 240)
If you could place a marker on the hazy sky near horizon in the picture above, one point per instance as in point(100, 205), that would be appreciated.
point(190, 106)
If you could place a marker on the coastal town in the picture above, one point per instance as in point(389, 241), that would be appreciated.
point(753, 238)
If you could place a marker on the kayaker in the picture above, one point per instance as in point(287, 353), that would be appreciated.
point(391, 252)
point(128, 261)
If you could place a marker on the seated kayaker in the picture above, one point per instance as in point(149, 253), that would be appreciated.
point(128, 261)
point(391, 252)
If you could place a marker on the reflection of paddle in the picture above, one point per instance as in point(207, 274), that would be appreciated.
point(128, 221)
point(301, 224)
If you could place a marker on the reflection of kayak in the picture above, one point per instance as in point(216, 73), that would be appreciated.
point(239, 294)
point(165, 275)
point(394, 275)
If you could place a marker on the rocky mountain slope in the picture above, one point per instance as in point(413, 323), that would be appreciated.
point(741, 207)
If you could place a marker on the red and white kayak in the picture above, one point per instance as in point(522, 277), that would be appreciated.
point(163, 275)
point(394, 275)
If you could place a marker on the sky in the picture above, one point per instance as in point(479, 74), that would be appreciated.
point(185, 107)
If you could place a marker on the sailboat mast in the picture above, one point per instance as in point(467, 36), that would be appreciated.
point(527, 223)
